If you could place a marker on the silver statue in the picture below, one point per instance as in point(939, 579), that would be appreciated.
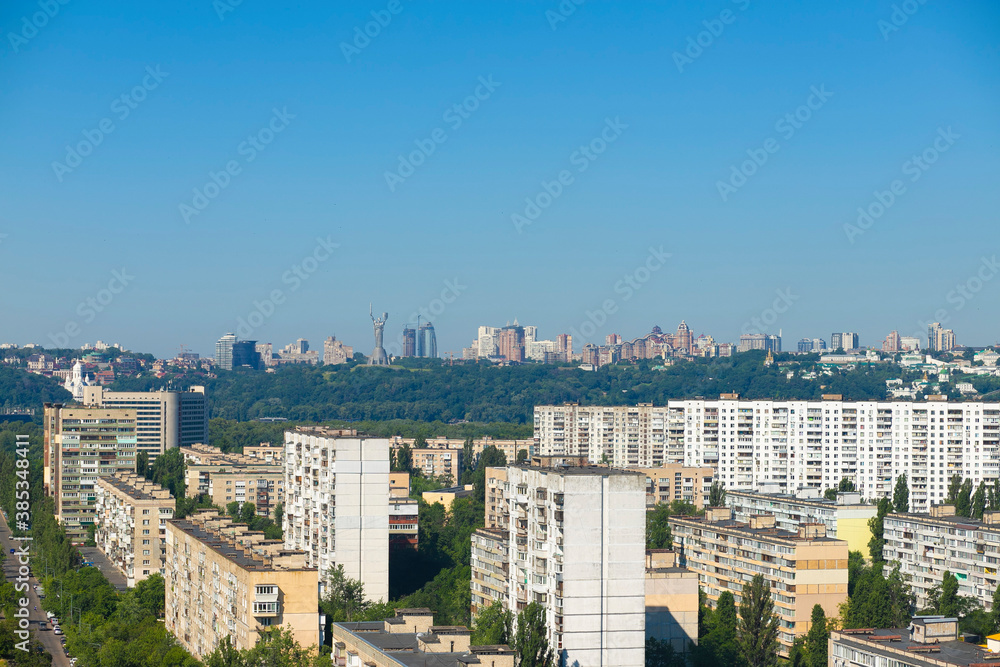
point(379, 357)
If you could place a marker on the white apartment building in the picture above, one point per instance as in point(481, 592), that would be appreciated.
point(925, 545)
point(576, 545)
point(789, 445)
point(164, 419)
point(337, 504)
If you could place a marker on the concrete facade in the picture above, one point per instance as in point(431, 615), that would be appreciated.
point(164, 419)
point(925, 545)
point(671, 601)
point(233, 477)
point(223, 580)
point(790, 445)
point(337, 507)
point(846, 518)
point(131, 514)
point(576, 546)
point(675, 481)
point(80, 446)
point(803, 569)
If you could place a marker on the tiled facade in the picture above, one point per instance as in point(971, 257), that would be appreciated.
point(131, 515)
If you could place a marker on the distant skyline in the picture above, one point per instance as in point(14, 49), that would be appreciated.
point(169, 170)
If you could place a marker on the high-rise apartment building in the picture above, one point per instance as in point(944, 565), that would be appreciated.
point(909, 343)
point(409, 342)
point(164, 419)
point(81, 445)
point(564, 345)
point(245, 355)
point(131, 515)
point(335, 352)
point(337, 504)
point(925, 545)
point(789, 445)
point(766, 342)
point(940, 339)
point(675, 481)
point(486, 342)
point(803, 568)
point(223, 580)
point(845, 341)
point(510, 342)
point(572, 540)
point(892, 343)
point(224, 351)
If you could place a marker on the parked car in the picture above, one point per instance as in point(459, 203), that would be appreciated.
point(42, 625)
point(57, 630)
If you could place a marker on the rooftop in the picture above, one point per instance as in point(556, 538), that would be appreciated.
point(767, 533)
point(599, 471)
point(126, 483)
point(243, 555)
point(955, 652)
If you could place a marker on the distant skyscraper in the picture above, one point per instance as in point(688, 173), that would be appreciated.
point(564, 345)
point(510, 342)
point(426, 341)
point(409, 342)
point(244, 353)
point(939, 338)
point(846, 341)
point(335, 352)
point(224, 352)
point(767, 342)
point(530, 334)
point(892, 342)
point(684, 337)
point(806, 345)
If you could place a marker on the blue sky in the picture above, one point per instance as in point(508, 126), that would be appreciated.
point(676, 117)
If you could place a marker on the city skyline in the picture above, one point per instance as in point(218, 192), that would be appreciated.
point(699, 161)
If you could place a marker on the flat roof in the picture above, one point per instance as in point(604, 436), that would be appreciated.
point(770, 533)
point(133, 491)
point(579, 470)
point(402, 646)
point(788, 497)
point(227, 550)
point(955, 652)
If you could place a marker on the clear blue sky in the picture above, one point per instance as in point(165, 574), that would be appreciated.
point(656, 184)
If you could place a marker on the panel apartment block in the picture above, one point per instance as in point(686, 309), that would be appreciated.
point(131, 518)
point(576, 545)
point(233, 477)
point(223, 580)
point(337, 504)
point(925, 545)
point(803, 569)
point(790, 445)
point(845, 518)
point(81, 445)
point(164, 419)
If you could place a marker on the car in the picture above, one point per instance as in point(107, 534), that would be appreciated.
point(12, 551)
point(42, 625)
point(57, 630)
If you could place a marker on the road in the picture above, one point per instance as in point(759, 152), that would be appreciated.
point(50, 640)
point(107, 568)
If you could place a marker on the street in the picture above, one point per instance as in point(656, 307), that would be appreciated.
point(50, 640)
point(107, 568)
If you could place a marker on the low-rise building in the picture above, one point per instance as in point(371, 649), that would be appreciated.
point(845, 518)
point(803, 568)
point(272, 453)
point(410, 639)
point(223, 580)
point(929, 641)
point(671, 600)
point(404, 517)
point(233, 477)
point(925, 545)
point(131, 515)
point(447, 496)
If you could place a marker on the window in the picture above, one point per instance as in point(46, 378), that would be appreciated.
point(267, 590)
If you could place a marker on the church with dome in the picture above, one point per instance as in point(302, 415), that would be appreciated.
point(77, 381)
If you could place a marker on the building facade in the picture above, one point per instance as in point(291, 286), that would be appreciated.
point(803, 569)
point(223, 580)
point(845, 518)
point(80, 446)
point(164, 419)
point(335, 352)
point(675, 481)
point(229, 477)
point(337, 506)
point(131, 515)
point(224, 351)
point(790, 445)
point(404, 523)
point(575, 544)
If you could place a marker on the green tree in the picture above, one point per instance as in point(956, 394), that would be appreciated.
point(995, 610)
point(948, 601)
point(717, 495)
point(488, 458)
point(493, 626)
point(142, 463)
point(345, 597)
point(248, 512)
point(658, 534)
point(979, 502)
point(718, 646)
point(877, 526)
point(530, 638)
point(846, 485)
point(233, 510)
point(963, 503)
point(817, 637)
point(522, 456)
point(404, 459)
point(468, 460)
point(901, 495)
point(279, 512)
point(954, 486)
point(661, 653)
point(830, 494)
point(757, 632)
